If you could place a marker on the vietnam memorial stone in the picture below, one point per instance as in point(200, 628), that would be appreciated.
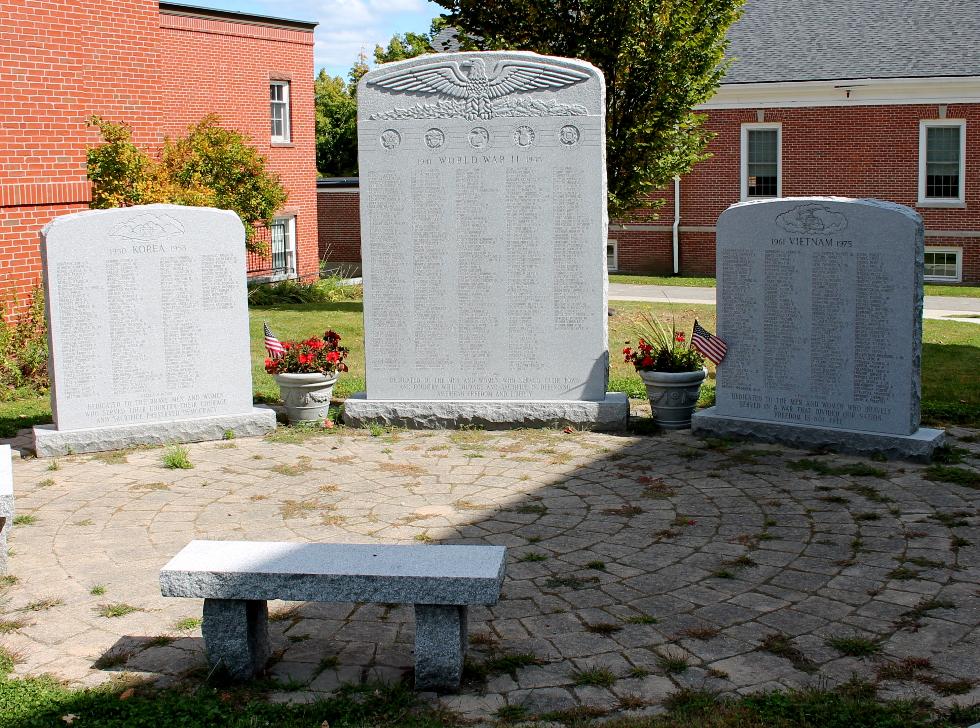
point(483, 218)
point(6, 502)
point(820, 303)
point(147, 328)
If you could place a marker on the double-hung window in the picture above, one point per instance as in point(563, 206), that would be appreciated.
point(942, 162)
point(283, 247)
point(944, 264)
point(279, 110)
point(612, 255)
point(761, 161)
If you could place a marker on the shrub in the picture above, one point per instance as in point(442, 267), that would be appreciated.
point(328, 290)
point(210, 167)
point(24, 349)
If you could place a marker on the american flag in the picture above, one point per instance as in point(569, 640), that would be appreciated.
point(711, 346)
point(272, 344)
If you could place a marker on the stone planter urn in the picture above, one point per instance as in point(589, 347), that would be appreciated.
point(673, 396)
point(306, 396)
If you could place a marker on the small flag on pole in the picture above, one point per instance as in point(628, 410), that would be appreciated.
point(711, 346)
point(272, 344)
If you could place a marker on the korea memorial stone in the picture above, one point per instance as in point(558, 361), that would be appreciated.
point(820, 303)
point(483, 217)
point(147, 328)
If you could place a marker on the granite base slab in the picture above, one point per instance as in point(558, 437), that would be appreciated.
point(50, 441)
point(611, 413)
point(918, 446)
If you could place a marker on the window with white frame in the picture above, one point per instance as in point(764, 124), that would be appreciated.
point(283, 247)
point(761, 161)
point(279, 110)
point(944, 264)
point(942, 162)
point(612, 255)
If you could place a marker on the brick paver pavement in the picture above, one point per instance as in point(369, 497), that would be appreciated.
point(651, 562)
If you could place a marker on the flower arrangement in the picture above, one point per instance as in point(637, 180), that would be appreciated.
point(659, 349)
point(311, 356)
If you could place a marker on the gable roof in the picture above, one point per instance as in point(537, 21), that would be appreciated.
point(819, 40)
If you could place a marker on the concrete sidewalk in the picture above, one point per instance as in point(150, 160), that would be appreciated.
point(951, 308)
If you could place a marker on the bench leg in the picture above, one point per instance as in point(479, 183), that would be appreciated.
point(440, 646)
point(236, 636)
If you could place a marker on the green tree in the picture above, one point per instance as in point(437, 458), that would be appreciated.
point(408, 45)
point(336, 126)
point(400, 47)
point(212, 167)
point(660, 58)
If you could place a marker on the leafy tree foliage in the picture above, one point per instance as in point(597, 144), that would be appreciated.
point(211, 167)
point(660, 58)
point(336, 102)
point(400, 47)
point(408, 45)
point(336, 126)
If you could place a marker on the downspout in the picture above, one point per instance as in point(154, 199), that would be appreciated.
point(676, 229)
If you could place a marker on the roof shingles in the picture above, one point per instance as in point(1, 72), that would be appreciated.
point(815, 40)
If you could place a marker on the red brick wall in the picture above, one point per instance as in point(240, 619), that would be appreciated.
point(217, 66)
point(859, 151)
point(61, 62)
point(340, 227)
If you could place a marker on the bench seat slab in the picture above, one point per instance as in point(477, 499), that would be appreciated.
point(236, 636)
point(440, 646)
point(321, 572)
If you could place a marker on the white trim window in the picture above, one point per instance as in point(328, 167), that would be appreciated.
point(279, 110)
point(762, 161)
point(612, 255)
point(944, 265)
point(942, 162)
point(282, 249)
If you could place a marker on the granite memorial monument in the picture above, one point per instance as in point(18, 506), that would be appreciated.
point(820, 303)
point(483, 218)
point(6, 502)
point(147, 328)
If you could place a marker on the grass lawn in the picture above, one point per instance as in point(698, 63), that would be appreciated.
point(45, 703)
point(932, 289)
point(950, 358)
point(662, 280)
point(301, 321)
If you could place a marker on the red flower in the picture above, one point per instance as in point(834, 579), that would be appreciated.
point(333, 357)
point(679, 337)
point(647, 362)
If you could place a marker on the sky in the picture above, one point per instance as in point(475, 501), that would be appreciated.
point(346, 26)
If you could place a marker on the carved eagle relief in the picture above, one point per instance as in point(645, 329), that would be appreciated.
point(469, 83)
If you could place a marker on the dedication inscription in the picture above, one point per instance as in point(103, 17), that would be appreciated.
point(820, 302)
point(483, 218)
point(147, 323)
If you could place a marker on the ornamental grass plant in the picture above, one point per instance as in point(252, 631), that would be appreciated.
point(310, 356)
point(661, 349)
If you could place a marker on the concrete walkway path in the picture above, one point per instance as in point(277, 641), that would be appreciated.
point(952, 308)
point(659, 563)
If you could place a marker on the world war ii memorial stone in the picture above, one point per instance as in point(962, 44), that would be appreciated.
point(820, 303)
point(483, 218)
point(147, 329)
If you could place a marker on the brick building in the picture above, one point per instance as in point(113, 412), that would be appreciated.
point(856, 98)
point(158, 67)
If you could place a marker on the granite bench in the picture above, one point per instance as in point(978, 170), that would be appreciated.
point(6, 502)
point(235, 578)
